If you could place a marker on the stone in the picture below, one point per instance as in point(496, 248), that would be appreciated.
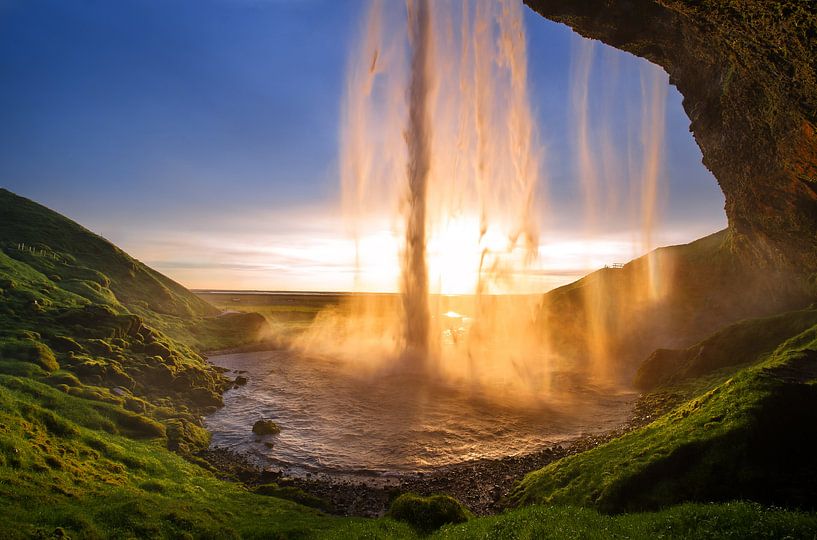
point(750, 91)
point(266, 427)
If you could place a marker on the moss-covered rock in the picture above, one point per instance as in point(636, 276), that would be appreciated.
point(186, 437)
point(427, 514)
point(266, 427)
point(29, 350)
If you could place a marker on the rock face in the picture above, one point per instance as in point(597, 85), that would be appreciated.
point(746, 69)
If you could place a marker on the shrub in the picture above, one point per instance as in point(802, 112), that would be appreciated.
point(427, 514)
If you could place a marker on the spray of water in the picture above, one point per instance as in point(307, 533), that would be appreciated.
point(601, 179)
point(438, 139)
point(438, 134)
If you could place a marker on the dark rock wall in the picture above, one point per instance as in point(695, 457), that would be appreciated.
point(746, 69)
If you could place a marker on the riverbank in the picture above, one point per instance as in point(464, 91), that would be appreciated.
point(481, 485)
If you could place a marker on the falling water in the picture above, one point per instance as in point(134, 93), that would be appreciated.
point(438, 136)
point(440, 155)
point(418, 141)
point(654, 92)
point(601, 179)
point(439, 143)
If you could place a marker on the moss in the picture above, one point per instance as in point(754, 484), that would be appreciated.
point(29, 350)
point(186, 437)
point(294, 494)
point(65, 344)
point(428, 513)
point(65, 378)
point(140, 426)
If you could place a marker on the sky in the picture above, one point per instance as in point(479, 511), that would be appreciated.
point(201, 136)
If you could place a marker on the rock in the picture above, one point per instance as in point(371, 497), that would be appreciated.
point(428, 513)
point(266, 427)
point(750, 91)
point(240, 380)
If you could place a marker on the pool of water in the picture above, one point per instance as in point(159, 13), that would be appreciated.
point(336, 422)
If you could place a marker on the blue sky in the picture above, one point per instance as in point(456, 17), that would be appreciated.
point(201, 135)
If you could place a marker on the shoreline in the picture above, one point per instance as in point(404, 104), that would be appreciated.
point(481, 485)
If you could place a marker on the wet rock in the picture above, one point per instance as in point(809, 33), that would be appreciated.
point(266, 427)
point(240, 380)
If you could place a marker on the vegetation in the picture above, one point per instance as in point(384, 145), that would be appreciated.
point(740, 343)
point(733, 520)
point(673, 297)
point(103, 383)
point(294, 494)
point(426, 514)
point(746, 435)
point(106, 328)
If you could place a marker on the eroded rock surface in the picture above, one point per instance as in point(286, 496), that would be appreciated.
point(746, 69)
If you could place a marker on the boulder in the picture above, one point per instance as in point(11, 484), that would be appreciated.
point(266, 427)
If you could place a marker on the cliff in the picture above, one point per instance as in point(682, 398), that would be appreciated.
point(746, 69)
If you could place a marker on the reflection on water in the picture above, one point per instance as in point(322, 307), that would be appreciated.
point(332, 420)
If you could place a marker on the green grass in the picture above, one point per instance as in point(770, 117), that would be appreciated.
point(748, 437)
point(733, 520)
point(62, 465)
point(740, 343)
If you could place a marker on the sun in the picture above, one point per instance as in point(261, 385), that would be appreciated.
point(459, 257)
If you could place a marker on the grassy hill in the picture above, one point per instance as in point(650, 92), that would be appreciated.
point(93, 322)
point(103, 384)
point(83, 262)
point(743, 432)
point(671, 298)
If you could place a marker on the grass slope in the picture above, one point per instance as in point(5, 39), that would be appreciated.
point(64, 470)
point(746, 434)
point(79, 257)
point(84, 317)
point(696, 289)
point(740, 343)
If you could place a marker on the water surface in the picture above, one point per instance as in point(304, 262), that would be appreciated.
point(335, 422)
